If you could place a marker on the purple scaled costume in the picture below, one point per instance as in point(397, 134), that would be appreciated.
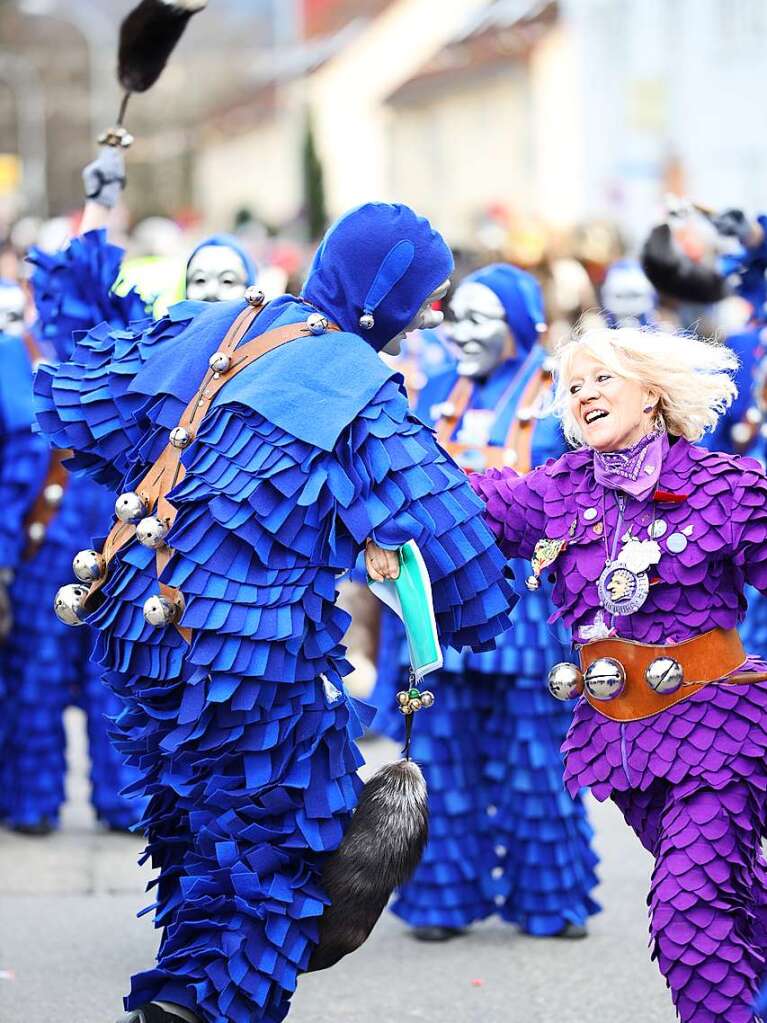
point(690, 780)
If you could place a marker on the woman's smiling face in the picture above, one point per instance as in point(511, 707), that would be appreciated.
point(609, 409)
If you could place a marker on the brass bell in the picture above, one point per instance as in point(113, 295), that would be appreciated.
point(159, 611)
point(53, 495)
point(416, 704)
point(130, 507)
point(405, 709)
point(605, 679)
point(69, 604)
point(89, 566)
point(151, 532)
point(565, 681)
point(664, 675)
point(180, 437)
point(317, 323)
point(402, 698)
point(220, 362)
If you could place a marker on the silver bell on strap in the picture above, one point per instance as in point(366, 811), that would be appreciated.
point(254, 296)
point(130, 507)
point(69, 604)
point(664, 675)
point(159, 611)
point(605, 679)
point(220, 362)
point(316, 323)
point(89, 566)
point(53, 495)
point(180, 438)
point(151, 532)
point(565, 681)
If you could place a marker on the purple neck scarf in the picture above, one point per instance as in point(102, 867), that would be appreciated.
point(634, 470)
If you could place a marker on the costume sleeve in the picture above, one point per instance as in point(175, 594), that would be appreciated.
point(513, 508)
point(392, 482)
point(73, 290)
point(85, 404)
point(749, 524)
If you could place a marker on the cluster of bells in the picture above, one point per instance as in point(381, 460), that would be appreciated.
point(411, 700)
point(605, 678)
point(90, 567)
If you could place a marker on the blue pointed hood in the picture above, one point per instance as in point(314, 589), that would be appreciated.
point(230, 242)
point(521, 298)
point(380, 259)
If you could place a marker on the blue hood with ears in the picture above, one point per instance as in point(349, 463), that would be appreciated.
point(230, 242)
point(380, 259)
point(521, 298)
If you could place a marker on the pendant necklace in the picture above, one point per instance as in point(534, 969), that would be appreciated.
point(624, 584)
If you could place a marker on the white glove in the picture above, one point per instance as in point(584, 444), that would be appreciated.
point(104, 178)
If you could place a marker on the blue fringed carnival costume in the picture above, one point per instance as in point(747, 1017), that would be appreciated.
point(45, 665)
point(504, 835)
point(237, 718)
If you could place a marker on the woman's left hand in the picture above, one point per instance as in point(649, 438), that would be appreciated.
point(380, 563)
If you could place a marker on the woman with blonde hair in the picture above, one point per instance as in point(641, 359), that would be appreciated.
point(652, 540)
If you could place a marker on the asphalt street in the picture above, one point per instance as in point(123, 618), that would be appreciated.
point(69, 939)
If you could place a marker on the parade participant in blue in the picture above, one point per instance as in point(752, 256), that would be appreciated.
point(627, 298)
point(256, 450)
point(504, 835)
point(43, 665)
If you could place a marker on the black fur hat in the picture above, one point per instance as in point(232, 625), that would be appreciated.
point(379, 852)
point(674, 275)
point(148, 36)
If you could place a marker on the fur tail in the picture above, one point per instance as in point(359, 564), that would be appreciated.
point(380, 850)
point(674, 275)
point(148, 36)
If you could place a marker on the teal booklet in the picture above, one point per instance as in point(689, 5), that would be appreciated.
point(410, 598)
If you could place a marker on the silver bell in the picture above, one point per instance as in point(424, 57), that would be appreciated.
point(220, 362)
point(180, 437)
point(130, 507)
point(664, 675)
point(565, 681)
point(151, 532)
point(427, 699)
point(317, 323)
point(254, 296)
point(69, 604)
point(36, 532)
point(605, 679)
point(53, 495)
point(89, 566)
point(367, 321)
point(159, 611)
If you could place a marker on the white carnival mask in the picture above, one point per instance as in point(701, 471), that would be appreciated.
point(216, 273)
point(478, 329)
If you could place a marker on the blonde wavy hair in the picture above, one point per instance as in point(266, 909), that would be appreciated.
point(692, 377)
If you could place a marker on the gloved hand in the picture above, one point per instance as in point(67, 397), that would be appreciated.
point(104, 178)
point(734, 223)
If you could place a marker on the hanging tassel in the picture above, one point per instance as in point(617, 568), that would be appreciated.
point(380, 851)
point(148, 36)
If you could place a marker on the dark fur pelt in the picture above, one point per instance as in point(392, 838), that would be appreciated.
point(380, 850)
point(674, 275)
point(148, 36)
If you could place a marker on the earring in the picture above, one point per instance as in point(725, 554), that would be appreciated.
point(648, 408)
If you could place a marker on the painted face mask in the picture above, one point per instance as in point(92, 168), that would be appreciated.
point(479, 330)
point(11, 309)
point(427, 318)
point(216, 273)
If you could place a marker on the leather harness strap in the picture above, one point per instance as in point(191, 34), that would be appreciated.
point(713, 657)
point(169, 470)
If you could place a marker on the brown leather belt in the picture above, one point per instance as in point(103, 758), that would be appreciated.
point(169, 470)
point(711, 657)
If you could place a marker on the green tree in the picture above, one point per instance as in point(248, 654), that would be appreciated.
point(314, 186)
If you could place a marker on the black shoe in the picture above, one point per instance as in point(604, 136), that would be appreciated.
point(572, 932)
point(150, 1013)
point(437, 933)
point(39, 829)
